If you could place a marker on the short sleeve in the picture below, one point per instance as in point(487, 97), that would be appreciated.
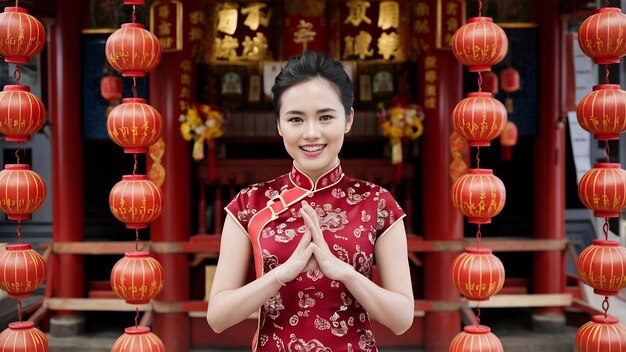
point(388, 212)
point(240, 209)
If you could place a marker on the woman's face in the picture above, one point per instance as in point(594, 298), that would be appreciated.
point(313, 122)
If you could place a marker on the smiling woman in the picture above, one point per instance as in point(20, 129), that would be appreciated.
point(315, 231)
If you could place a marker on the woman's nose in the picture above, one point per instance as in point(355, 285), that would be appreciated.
point(311, 130)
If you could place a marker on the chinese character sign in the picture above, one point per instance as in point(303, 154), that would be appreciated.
point(450, 16)
point(167, 24)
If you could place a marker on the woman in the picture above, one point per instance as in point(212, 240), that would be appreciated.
point(313, 232)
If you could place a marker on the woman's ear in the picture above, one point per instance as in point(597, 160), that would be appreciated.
point(349, 120)
point(280, 133)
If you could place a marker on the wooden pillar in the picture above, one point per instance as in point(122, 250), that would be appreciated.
point(549, 166)
point(172, 87)
point(67, 148)
point(442, 222)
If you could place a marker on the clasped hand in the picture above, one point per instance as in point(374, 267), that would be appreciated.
point(312, 252)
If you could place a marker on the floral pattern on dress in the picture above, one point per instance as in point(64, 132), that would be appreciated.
point(312, 310)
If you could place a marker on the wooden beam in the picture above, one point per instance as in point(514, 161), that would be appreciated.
point(532, 300)
point(93, 304)
point(210, 244)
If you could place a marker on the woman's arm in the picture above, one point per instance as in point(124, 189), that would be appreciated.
point(231, 301)
point(392, 304)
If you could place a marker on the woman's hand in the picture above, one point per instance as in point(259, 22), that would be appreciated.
point(298, 260)
point(333, 267)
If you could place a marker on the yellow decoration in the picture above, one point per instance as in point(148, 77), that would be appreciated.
point(254, 15)
point(357, 12)
point(202, 123)
point(389, 15)
point(227, 18)
point(400, 123)
point(388, 45)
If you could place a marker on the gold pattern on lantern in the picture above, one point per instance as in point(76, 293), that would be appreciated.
point(388, 45)
point(226, 48)
point(255, 48)
point(358, 12)
point(255, 16)
point(227, 18)
point(389, 15)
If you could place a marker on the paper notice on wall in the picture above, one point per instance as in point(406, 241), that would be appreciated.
point(581, 146)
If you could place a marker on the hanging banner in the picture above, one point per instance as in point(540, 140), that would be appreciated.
point(166, 23)
point(450, 16)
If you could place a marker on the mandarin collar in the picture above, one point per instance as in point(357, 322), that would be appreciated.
point(300, 179)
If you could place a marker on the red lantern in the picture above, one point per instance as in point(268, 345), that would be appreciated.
point(479, 195)
point(133, 2)
point(23, 337)
point(476, 338)
point(479, 44)
point(603, 189)
point(477, 274)
point(479, 118)
point(111, 87)
point(22, 270)
point(21, 113)
point(133, 50)
point(509, 78)
point(23, 35)
point(601, 334)
point(138, 339)
point(22, 191)
point(602, 111)
point(490, 82)
point(603, 267)
point(134, 125)
point(136, 201)
point(601, 35)
point(137, 278)
point(508, 139)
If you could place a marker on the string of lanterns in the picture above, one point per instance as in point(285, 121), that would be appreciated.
point(22, 191)
point(135, 200)
point(602, 189)
point(479, 195)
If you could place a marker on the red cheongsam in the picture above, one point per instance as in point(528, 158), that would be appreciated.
point(314, 313)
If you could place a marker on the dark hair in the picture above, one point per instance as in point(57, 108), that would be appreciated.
point(307, 66)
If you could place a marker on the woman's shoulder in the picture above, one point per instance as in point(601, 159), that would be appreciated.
point(363, 185)
point(266, 190)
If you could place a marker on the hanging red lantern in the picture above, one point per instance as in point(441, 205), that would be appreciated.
point(479, 44)
point(133, 50)
point(22, 191)
point(602, 111)
point(23, 35)
point(22, 270)
point(603, 267)
point(479, 195)
point(601, 334)
point(134, 125)
point(137, 278)
point(508, 139)
point(600, 36)
point(476, 338)
point(477, 274)
point(21, 113)
point(133, 2)
point(138, 339)
point(23, 337)
point(111, 88)
point(509, 78)
point(490, 82)
point(136, 201)
point(479, 118)
point(603, 190)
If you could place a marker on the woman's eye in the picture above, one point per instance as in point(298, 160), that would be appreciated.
point(294, 119)
point(325, 117)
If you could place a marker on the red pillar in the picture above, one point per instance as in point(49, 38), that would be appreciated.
point(549, 166)
point(67, 148)
point(174, 223)
point(442, 222)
